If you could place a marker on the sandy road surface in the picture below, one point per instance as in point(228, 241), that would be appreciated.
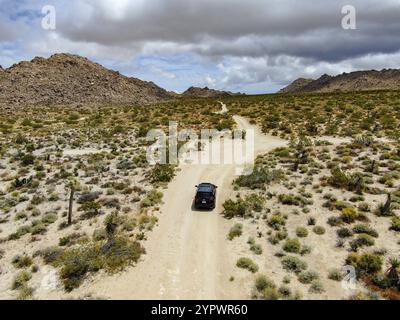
point(186, 253)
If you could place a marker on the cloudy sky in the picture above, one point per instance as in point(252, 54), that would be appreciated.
point(252, 46)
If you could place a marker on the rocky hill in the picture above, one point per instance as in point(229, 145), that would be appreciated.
point(387, 79)
point(206, 93)
point(65, 79)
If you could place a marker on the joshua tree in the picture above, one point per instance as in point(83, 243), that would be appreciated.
point(392, 273)
point(73, 185)
point(386, 208)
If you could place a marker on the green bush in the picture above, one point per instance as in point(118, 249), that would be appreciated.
point(236, 231)
point(152, 199)
point(349, 215)
point(271, 294)
point(99, 234)
point(259, 178)
point(294, 264)
point(307, 277)
point(362, 240)
point(316, 287)
point(365, 263)
point(49, 218)
point(344, 233)
point(319, 230)
point(246, 263)
point(112, 256)
point(162, 173)
point(234, 208)
point(276, 221)
point(395, 224)
point(20, 280)
point(22, 261)
point(292, 246)
point(363, 228)
point(262, 282)
point(38, 227)
point(301, 232)
point(336, 275)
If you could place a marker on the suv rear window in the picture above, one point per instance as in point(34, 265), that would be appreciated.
point(206, 189)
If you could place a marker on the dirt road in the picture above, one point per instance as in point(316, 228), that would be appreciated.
point(186, 253)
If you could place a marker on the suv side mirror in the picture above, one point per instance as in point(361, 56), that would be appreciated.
point(196, 186)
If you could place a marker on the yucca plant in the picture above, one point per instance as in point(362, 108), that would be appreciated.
point(392, 273)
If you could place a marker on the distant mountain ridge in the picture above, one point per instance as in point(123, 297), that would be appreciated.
point(65, 79)
point(207, 93)
point(386, 79)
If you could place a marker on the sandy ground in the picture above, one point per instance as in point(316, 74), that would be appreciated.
point(187, 254)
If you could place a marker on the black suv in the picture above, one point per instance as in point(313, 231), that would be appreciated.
point(205, 196)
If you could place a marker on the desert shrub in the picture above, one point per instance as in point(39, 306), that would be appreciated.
point(289, 199)
point(20, 280)
point(294, 264)
point(88, 196)
point(113, 255)
point(234, 208)
point(364, 207)
point(256, 248)
point(344, 233)
point(162, 173)
point(292, 246)
point(349, 215)
point(90, 210)
point(49, 218)
point(362, 240)
point(305, 250)
point(276, 221)
point(301, 232)
point(236, 231)
point(262, 282)
point(363, 228)
point(152, 199)
point(38, 227)
point(255, 202)
point(259, 178)
point(50, 254)
point(335, 221)
point(27, 159)
point(21, 231)
point(22, 261)
point(246, 263)
point(336, 275)
point(99, 234)
point(285, 291)
point(363, 296)
point(316, 287)
point(25, 292)
point(319, 230)
point(307, 277)
point(243, 207)
point(311, 221)
point(338, 178)
point(382, 281)
point(365, 263)
point(395, 224)
point(36, 200)
point(20, 216)
point(271, 294)
point(277, 237)
point(71, 239)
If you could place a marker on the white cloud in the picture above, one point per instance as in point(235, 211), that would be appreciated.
point(232, 44)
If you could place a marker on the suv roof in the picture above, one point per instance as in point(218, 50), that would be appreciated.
point(205, 187)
